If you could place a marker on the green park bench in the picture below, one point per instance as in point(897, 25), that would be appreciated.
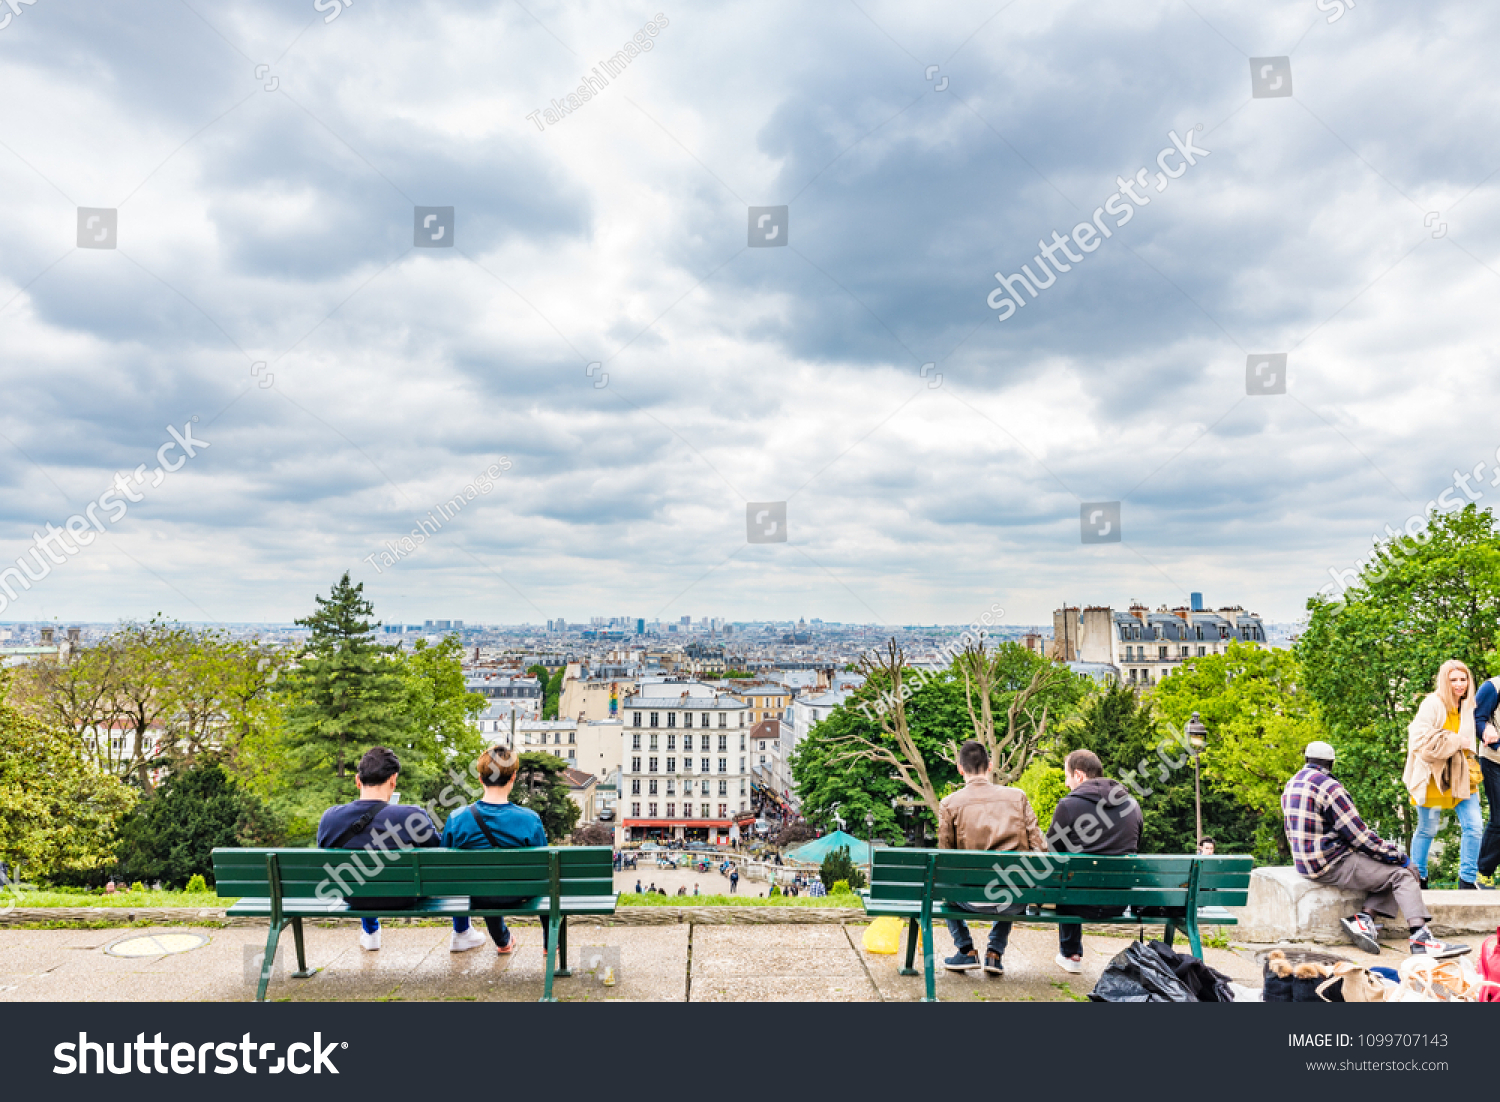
point(1182, 892)
point(282, 885)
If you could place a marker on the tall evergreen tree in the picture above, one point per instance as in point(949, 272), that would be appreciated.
point(347, 694)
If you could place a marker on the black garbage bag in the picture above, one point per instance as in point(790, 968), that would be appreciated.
point(1139, 975)
point(1207, 984)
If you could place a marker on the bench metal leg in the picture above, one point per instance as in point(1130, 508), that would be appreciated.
point(563, 971)
point(553, 931)
point(268, 962)
point(927, 955)
point(1192, 932)
point(1170, 928)
point(912, 937)
point(303, 972)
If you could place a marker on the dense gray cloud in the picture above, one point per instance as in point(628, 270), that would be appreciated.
point(602, 325)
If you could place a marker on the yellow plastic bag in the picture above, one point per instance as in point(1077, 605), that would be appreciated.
point(883, 935)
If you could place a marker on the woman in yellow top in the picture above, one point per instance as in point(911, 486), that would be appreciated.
point(1439, 749)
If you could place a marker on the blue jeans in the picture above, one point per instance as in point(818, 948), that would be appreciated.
point(1471, 826)
point(963, 941)
point(372, 925)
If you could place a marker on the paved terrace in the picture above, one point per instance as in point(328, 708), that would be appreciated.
point(692, 955)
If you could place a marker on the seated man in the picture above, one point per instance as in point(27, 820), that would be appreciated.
point(984, 816)
point(493, 823)
point(371, 823)
point(1096, 816)
point(1331, 845)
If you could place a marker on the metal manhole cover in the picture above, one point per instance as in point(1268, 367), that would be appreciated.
point(155, 945)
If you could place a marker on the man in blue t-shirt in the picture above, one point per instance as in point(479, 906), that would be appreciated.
point(372, 823)
point(493, 823)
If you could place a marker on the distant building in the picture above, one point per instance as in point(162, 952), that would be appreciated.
point(685, 771)
point(1145, 646)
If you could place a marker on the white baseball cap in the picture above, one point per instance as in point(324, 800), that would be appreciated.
point(1319, 750)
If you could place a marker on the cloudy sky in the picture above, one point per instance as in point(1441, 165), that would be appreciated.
point(597, 324)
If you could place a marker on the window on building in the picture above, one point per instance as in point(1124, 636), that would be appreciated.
point(635, 720)
point(705, 719)
point(671, 719)
point(651, 787)
point(742, 786)
point(687, 719)
point(687, 788)
point(635, 765)
point(671, 765)
point(651, 810)
point(671, 811)
point(1200, 651)
point(723, 788)
point(671, 742)
point(653, 719)
point(671, 788)
point(1161, 652)
point(635, 742)
point(723, 743)
point(723, 719)
point(652, 740)
point(742, 763)
point(1132, 673)
point(652, 763)
point(742, 740)
point(705, 810)
point(763, 759)
point(723, 765)
point(635, 811)
point(705, 768)
point(635, 786)
point(723, 811)
point(1184, 652)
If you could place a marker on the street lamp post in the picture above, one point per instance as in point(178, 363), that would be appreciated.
point(1197, 736)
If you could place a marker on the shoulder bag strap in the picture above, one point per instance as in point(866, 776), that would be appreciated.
point(356, 828)
point(484, 827)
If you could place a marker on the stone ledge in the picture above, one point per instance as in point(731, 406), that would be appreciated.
point(1284, 906)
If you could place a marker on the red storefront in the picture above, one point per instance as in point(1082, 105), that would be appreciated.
point(687, 830)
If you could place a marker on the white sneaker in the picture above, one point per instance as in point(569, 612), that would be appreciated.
point(1068, 964)
point(370, 943)
point(472, 938)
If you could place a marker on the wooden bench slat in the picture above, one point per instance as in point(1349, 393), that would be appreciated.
point(1216, 916)
point(435, 907)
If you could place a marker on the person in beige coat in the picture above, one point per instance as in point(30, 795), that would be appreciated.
point(1440, 747)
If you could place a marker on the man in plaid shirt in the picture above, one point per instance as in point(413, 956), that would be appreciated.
point(1332, 846)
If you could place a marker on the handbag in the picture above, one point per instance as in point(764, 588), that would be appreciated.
point(1453, 979)
point(1358, 985)
point(1476, 774)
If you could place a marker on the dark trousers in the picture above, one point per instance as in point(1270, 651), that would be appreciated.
point(495, 924)
point(1070, 934)
point(958, 929)
point(1489, 847)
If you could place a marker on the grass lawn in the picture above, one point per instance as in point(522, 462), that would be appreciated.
point(128, 900)
point(631, 899)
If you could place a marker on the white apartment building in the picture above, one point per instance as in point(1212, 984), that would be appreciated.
point(686, 764)
point(1145, 646)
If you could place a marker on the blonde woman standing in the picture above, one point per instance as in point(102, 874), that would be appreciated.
point(1440, 757)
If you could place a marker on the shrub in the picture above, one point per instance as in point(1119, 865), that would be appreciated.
point(594, 835)
point(137, 887)
point(196, 883)
point(839, 866)
point(841, 887)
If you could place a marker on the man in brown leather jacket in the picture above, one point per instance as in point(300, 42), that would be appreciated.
point(984, 816)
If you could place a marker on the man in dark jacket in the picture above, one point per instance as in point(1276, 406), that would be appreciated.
point(1097, 816)
point(373, 823)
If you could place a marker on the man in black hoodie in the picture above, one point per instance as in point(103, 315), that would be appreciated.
point(1097, 816)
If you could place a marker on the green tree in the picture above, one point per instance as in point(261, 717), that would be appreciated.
point(171, 836)
point(1124, 731)
point(58, 809)
point(1370, 657)
point(1259, 717)
point(346, 695)
point(541, 787)
point(838, 865)
point(439, 729)
point(551, 686)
